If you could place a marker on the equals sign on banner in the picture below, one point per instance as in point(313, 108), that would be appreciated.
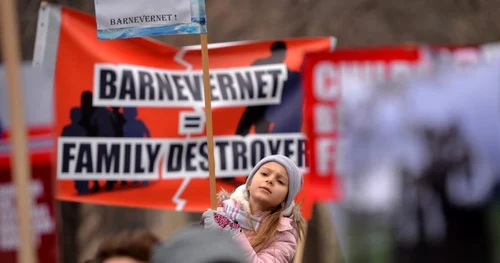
point(191, 122)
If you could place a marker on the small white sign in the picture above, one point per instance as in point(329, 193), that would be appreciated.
point(115, 14)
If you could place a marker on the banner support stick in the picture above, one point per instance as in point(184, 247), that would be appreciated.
point(21, 165)
point(299, 254)
point(208, 120)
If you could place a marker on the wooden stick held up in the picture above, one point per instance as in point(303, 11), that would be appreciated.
point(299, 254)
point(21, 166)
point(208, 120)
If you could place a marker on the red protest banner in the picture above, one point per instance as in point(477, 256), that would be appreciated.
point(256, 101)
point(43, 214)
point(326, 76)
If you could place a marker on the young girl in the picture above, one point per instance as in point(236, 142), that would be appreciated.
point(261, 214)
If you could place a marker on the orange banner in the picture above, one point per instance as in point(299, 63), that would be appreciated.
point(130, 119)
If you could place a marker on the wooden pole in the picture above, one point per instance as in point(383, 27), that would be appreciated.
point(208, 120)
point(21, 167)
point(299, 255)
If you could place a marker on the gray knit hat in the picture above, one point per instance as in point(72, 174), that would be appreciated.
point(295, 179)
point(197, 245)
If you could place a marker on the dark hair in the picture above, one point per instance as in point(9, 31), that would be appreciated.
point(135, 244)
point(278, 46)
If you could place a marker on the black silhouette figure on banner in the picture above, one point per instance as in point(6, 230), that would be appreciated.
point(105, 122)
point(74, 129)
point(256, 115)
point(90, 121)
point(87, 109)
point(134, 128)
point(286, 117)
point(119, 122)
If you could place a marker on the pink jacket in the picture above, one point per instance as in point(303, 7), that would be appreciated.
point(280, 250)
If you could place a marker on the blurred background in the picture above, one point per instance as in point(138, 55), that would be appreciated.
point(353, 23)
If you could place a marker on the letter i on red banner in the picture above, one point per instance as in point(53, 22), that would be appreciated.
point(125, 19)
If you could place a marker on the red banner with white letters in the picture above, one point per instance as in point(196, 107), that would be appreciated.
point(326, 75)
point(42, 213)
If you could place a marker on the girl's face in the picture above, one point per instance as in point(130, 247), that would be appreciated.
point(269, 187)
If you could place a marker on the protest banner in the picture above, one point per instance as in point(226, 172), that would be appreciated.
point(158, 17)
point(118, 147)
point(126, 19)
point(353, 75)
point(42, 213)
point(37, 92)
point(435, 136)
point(327, 77)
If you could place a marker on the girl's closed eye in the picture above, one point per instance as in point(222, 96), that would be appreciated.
point(264, 174)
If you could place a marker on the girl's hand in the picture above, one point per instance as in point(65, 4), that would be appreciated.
point(218, 220)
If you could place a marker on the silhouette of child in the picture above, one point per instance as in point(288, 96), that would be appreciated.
point(105, 122)
point(74, 129)
point(118, 126)
point(134, 128)
point(87, 111)
point(119, 121)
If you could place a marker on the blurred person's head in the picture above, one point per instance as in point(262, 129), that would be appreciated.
point(126, 247)
point(197, 245)
point(278, 51)
point(86, 100)
point(130, 113)
point(76, 115)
